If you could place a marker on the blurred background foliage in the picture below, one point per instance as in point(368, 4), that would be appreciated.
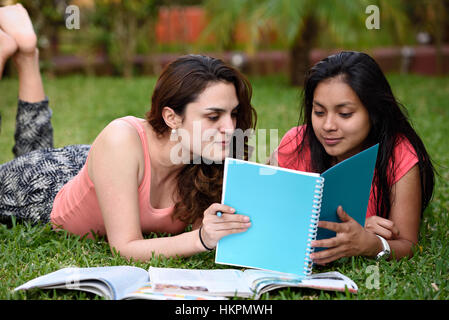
point(125, 37)
point(304, 25)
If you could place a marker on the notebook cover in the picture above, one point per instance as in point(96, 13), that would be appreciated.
point(279, 203)
point(348, 184)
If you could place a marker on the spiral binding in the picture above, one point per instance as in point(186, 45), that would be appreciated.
point(313, 224)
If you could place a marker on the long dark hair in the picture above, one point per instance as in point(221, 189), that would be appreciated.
point(180, 83)
point(388, 119)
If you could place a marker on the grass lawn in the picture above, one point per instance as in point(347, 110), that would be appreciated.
point(83, 106)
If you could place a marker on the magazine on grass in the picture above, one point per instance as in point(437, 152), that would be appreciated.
point(113, 283)
point(127, 282)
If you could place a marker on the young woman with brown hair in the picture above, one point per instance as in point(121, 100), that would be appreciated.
point(127, 183)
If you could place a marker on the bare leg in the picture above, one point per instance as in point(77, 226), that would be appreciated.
point(31, 88)
point(16, 23)
point(29, 183)
point(33, 120)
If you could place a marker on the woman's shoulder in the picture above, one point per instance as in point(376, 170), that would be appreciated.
point(118, 144)
point(119, 132)
point(287, 152)
point(292, 138)
point(405, 157)
point(123, 128)
point(403, 145)
point(118, 136)
point(297, 130)
point(404, 150)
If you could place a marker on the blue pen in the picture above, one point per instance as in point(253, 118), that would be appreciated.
point(219, 213)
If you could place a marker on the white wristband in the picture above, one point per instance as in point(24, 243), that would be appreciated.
point(385, 253)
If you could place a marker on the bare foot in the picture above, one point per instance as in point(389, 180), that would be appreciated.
point(15, 21)
point(8, 47)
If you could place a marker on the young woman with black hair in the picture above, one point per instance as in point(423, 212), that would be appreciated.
point(128, 183)
point(349, 106)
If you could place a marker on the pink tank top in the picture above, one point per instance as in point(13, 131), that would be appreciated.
point(76, 208)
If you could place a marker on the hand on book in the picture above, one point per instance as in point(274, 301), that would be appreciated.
point(351, 240)
point(216, 227)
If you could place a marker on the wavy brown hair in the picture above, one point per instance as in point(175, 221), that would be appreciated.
point(180, 83)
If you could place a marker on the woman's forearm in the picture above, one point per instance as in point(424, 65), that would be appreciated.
point(400, 248)
point(185, 244)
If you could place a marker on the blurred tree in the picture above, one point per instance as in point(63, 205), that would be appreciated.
point(300, 23)
point(431, 16)
point(225, 16)
point(123, 23)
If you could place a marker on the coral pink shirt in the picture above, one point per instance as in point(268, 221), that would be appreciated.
point(405, 159)
point(76, 208)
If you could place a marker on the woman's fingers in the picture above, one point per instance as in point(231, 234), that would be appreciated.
point(326, 256)
point(384, 233)
point(229, 222)
point(218, 207)
point(232, 225)
point(216, 227)
point(382, 227)
point(390, 226)
point(227, 216)
point(325, 243)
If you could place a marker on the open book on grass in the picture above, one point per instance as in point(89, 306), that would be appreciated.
point(126, 282)
point(250, 283)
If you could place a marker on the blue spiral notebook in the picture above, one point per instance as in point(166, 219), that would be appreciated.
point(285, 206)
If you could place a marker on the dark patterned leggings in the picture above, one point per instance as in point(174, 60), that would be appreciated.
point(30, 182)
